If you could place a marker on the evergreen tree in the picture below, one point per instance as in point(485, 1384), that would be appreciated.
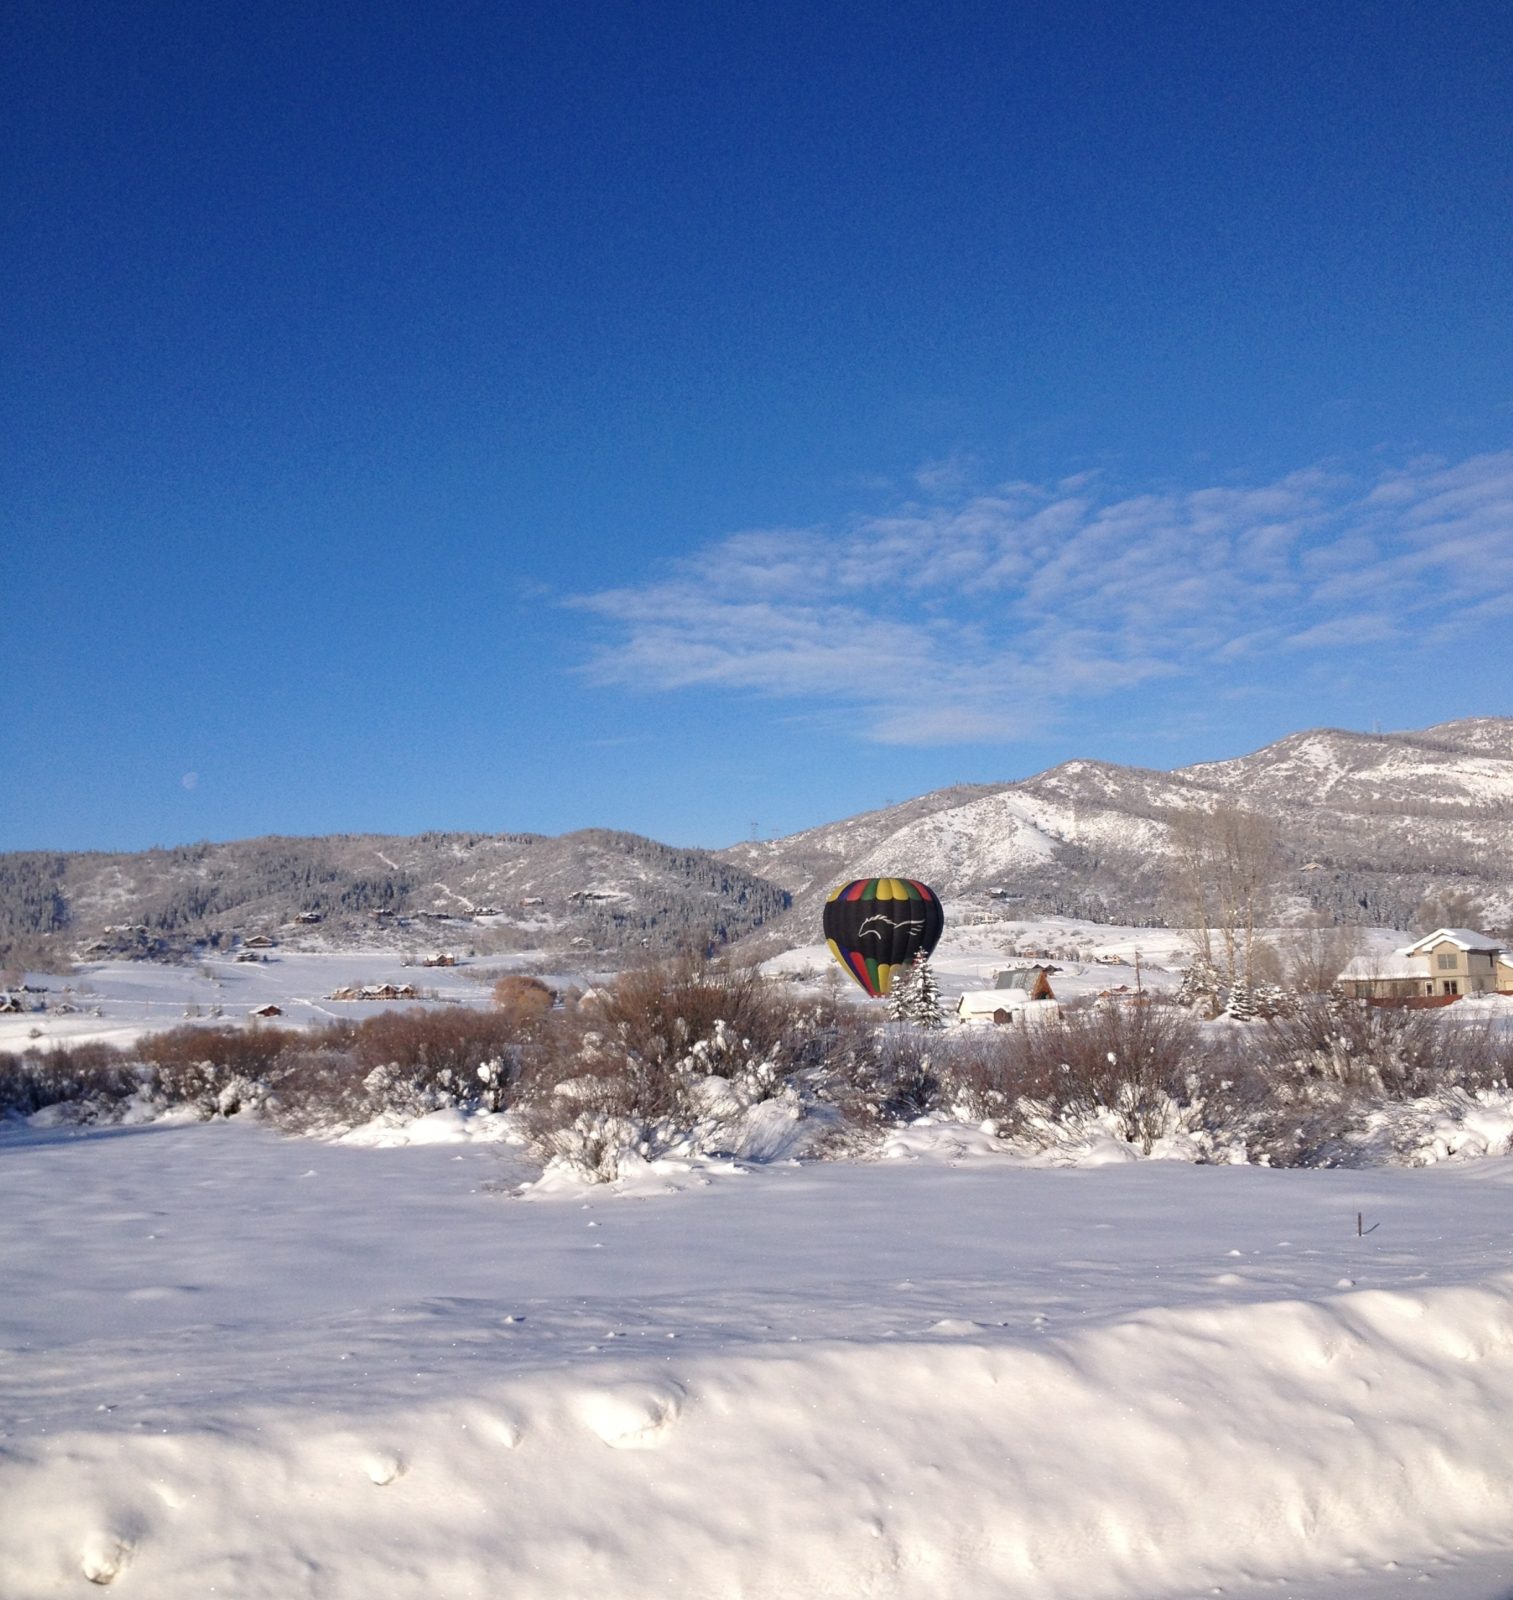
point(1200, 988)
point(1242, 1002)
point(923, 1004)
point(901, 994)
point(1272, 1000)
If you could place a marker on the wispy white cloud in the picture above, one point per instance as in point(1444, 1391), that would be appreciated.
point(963, 616)
point(1367, 627)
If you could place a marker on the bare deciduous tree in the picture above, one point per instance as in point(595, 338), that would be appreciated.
point(1225, 872)
point(1455, 908)
point(1314, 955)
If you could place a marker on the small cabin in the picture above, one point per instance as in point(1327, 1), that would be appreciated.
point(267, 1011)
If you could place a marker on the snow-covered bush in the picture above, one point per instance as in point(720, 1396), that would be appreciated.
point(1390, 1051)
point(399, 1065)
point(676, 1059)
point(1140, 1121)
point(1335, 1071)
point(1129, 1063)
point(1452, 1124)
point(209, 1087)
point(905, 1079)
point(317, 1087)
point(94, 1079)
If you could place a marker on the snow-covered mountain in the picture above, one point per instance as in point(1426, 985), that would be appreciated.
point(1372, 826)
point(1457, 766)
point(597, 889)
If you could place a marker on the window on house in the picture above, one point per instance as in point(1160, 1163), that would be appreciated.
point(1447, 963)
point(1451, 986)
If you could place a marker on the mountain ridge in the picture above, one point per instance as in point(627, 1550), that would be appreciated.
point(1373, 828)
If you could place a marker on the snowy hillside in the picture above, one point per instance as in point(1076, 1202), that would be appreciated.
point(594, 889)
point(1354, 771)
point(1371, 826)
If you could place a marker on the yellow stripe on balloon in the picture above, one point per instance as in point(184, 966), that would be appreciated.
point(884, 978)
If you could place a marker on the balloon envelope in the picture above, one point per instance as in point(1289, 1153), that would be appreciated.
point(876, 925)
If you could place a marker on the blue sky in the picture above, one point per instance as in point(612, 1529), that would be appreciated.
point(695, 418)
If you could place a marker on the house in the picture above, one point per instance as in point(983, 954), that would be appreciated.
point(1034, 979)
point(267, 1011)
point(259, 941)
point(1461, 960)
point(440, 959)
point(996, 1005)
point(1444, 965)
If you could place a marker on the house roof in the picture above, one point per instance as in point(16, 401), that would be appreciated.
point(1400, 964)
point(1464, 938)
point(1021, 977)
point(984, 1002)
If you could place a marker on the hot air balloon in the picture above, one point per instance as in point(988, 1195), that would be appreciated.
point(876, 925)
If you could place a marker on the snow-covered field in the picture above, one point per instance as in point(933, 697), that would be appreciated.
point(1092, 957)
point(119, 1001)
point(236, 1364)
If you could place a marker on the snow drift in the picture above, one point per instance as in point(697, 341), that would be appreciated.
point(1133, 1459)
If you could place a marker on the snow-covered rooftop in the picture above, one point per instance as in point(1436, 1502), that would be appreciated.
point(1397, 965)
point(1465, 938)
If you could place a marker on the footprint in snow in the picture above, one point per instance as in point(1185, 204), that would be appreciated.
point(956, 1327)
point(507, 1432)
point(384, 1467)
point(104, 1556)
point(633, 1416)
